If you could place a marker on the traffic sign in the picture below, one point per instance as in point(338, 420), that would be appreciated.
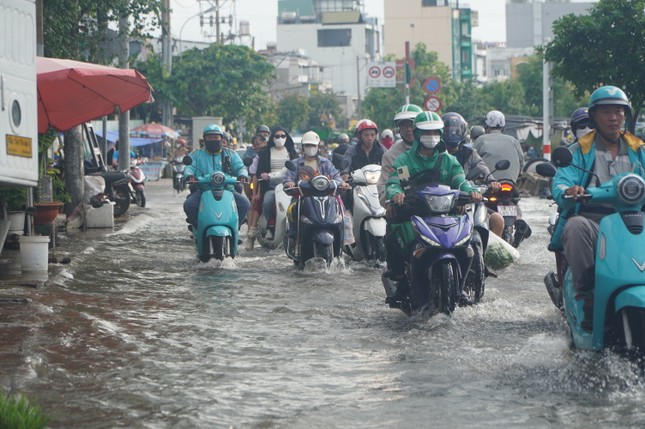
point(374, 72)
point(432, 85)
point(432, 103)
point(381, 75)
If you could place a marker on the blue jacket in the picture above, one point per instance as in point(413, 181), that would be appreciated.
point(205, 163)
point(325, 168)
point(584, 155)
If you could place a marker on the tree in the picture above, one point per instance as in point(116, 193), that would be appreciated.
point(324, 110)
point(602, 48)
point(293, 112)
point(79, 29)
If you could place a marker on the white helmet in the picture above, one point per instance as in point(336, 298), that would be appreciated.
point(310, 137)
point(495, 119)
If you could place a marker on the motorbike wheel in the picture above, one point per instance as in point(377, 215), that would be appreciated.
point(377, 248)
point(325, 251)
point(443, 283)
point(219, 247)
point(475, 282)
point(630, 331)
point(507, 235)
point(140, 196)
point(121, 198)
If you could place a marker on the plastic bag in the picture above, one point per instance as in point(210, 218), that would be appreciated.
point(499, 253)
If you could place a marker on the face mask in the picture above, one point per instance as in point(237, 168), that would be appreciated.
point(213, 146)
point(279, 142)
point(429, 142)
point(311, 150)
point(583, 131)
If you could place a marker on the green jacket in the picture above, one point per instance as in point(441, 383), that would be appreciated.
point(451, 172)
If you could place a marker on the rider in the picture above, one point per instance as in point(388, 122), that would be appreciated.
point(366, 151)
point(428, 128)
point(320, 165)
point(455, 137)
point(210, 159)
point(495, 146)
point(270, 169)
point(258, 142)
point(606, 151)
point(403, 121)
point(339, 153)
point(581, 124)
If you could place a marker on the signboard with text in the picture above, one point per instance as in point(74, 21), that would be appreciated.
point(381, 75)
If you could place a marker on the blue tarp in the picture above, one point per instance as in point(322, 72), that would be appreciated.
point(113, 136)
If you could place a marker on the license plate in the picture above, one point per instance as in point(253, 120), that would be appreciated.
point(507, 210)
point(19, 146)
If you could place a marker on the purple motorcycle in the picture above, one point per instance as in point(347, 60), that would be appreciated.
point(441, 255)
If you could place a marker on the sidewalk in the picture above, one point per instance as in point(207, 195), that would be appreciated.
point(10, 259)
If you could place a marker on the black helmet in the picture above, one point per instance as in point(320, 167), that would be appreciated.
point(476, 131)
point(580, 119)
point(454, 129)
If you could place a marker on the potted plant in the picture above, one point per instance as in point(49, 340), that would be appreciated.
point(51, 190)
point(15, 200)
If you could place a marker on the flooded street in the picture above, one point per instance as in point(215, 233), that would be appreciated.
point(137, 333)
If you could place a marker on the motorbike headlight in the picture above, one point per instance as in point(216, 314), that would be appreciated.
point(440, 203)
point(320, 183)
point(425, 239)
point(631, 188)
point(218, 178)
point(371, 177)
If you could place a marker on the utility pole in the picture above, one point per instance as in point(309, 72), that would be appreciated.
point(166, 51)
point(124, 117)
point(358, 86)
point(218, 37)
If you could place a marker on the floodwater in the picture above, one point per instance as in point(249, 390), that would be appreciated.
point(136, 333)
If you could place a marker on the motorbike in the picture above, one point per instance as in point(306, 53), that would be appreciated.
point(117, 190)
point(216, 234)
point(619, 292)
point(319, 221)
point(178, 183)
point(441, 254)
point(368, 216)
point(475, 285)
point(136, 184)
point(279, 224)
point(504, 201)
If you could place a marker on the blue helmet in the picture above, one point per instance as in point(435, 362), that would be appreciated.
point(455, 129)
point(580, 119)
point(609, 95)
point(213, 129)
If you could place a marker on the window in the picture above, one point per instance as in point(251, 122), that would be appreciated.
point(337, 37)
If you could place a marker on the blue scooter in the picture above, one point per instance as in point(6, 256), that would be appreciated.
point(216, 234)
point(619, 293)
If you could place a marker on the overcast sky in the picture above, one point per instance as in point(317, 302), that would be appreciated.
point(262, 15)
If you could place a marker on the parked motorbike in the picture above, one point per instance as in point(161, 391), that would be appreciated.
point(136, 184)
point(505, 202)
point(216, 234)
point(442, 252)
point(117, 190)
point(368, 217)
point(619, 293)
point(319, 222)
point(178, 183)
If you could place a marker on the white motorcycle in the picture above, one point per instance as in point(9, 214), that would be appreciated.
point(368, 216)
point(282, 201)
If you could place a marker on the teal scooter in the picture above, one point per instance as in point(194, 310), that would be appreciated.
point(216, 235)
point(619, 293)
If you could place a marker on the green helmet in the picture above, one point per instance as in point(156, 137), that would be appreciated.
point(213, 129)
point(427, 121)
point(407, 111)
point(609, 95)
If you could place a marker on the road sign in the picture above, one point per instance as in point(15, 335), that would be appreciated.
point(432, 103)
point(432, 85)
point(381, 75)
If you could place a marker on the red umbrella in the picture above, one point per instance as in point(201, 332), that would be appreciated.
point(73, 92)
point(154, 130)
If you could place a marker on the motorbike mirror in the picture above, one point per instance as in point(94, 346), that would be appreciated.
point(290, 165)
point(187, 160)
point(502, 165)
point(561, 157)
point(545, 169)
point(248, 160)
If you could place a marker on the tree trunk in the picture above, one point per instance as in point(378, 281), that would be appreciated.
point(74, 168)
